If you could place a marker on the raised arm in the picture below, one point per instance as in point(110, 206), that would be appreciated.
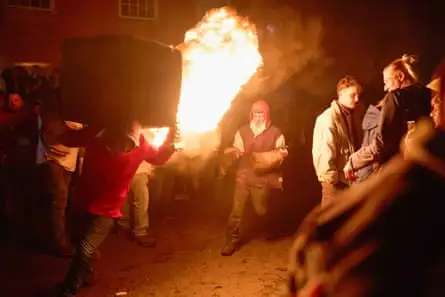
point(159, 156)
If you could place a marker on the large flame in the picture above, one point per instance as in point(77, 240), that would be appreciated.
point(155, 136)
point(220, 55)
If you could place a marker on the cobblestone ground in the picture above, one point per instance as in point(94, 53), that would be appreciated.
point(186, 262)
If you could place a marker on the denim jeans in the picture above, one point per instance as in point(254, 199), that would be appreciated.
point(259, 196)
point(95, 231)
point(19, 203)
point(135, 210)
point(55, 183)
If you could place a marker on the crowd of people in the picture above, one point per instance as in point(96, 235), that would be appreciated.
point(46, 161)
point(37, 171)
point(49, 165)
point(376, 232)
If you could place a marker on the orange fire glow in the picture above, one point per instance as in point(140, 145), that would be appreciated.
point(155, 136)
point(220, 55)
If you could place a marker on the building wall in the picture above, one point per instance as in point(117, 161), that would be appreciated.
point(202, 6)
point(35, 35)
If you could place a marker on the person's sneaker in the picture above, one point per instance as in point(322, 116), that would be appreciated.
point(145, 241)
point(229, 249)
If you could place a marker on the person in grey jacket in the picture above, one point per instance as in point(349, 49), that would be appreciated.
point(370, 124)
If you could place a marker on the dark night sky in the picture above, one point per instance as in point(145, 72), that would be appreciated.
point(362, 37)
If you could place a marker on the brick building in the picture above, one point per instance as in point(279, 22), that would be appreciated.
point(31, 31)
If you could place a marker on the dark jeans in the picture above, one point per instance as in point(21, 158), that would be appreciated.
point(259, 196)
point(5, 201)
point(95, 231)
point(162, 193)
point(17, 188)
point(55, 184)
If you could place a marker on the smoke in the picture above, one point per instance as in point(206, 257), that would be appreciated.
point(291, 45)
point(198, 150)
point(220, 54)
point(193, 160)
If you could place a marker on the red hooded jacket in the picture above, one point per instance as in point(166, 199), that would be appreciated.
point(106, 178)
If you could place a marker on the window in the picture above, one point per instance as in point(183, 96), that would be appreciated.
point(138, 9)
point(32, 4)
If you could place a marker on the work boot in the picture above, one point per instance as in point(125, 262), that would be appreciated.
point(145, 241)
point(229, 249)
point(81, 273)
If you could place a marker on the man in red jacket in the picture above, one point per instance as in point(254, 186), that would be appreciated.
point(111, 159)
point(18, 141)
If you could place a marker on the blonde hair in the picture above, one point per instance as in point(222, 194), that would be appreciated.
point(405, 64)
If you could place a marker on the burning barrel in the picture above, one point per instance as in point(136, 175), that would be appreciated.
point(113, 76)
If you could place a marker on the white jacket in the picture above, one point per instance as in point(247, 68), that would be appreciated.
point(331, 146)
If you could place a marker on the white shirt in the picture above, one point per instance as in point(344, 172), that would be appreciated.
point(69, 161)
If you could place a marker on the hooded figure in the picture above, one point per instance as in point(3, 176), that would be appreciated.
point(255, 139)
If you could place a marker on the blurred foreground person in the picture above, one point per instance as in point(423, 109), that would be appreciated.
point(336, 137)
point(255, 177)
point(111, 159)
point(436, 102)
point(382, 238)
